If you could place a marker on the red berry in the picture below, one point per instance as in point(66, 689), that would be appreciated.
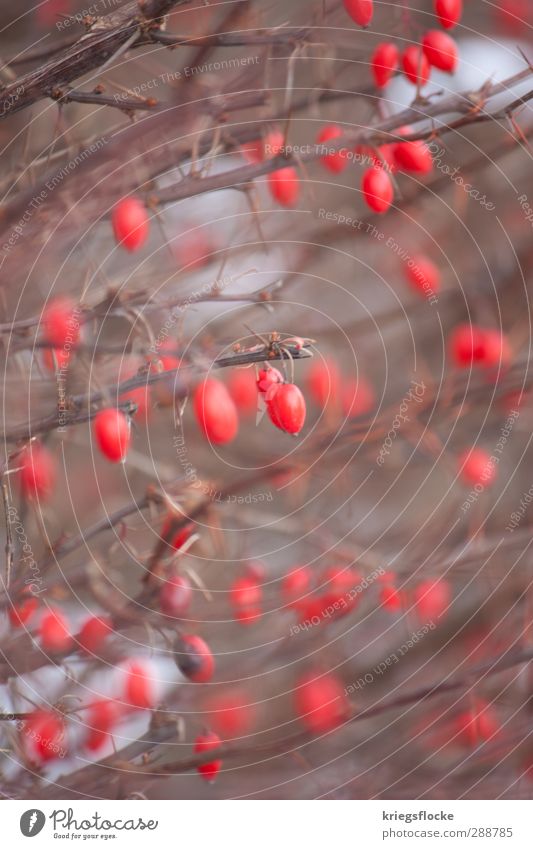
point(247, 615)
point(337, 160)
point(60, 326)
point(130, 223)
point(273, 144)
point(252, 151)
point(432, 598)
point(440, 51)
point(245, 592)
point(267, 378)
point(243, 389)
point(287, 408)
point(94, 633)
point(295, 584)
point(231, 713)
point(358, 397)
point(360, 11)
point(101, 718)
point(193, 250)
point(139, 685)
point(466, 345)
point(476, 725)
point(514, 15)
point(215, 411)
point(55, 632)
point(37, 473)
point(423, 275)
point(206, 743)
point(320, 702)
point(339, 590)
point(385, 61)
point(112, 432)
point(44, 731)
point(390, 598)
point(449, 12)
point(476, 467)
point(413, 156)
point(378, 190)
point(194, 658)
point(284, 186)
point(175, 596)
point(416, 66)
point(324, 381)
point(21, 613)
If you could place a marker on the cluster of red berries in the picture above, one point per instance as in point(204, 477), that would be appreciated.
point(449, 12)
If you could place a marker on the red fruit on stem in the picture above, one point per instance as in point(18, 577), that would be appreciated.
point(378, 190)
point(44, 731)
point(414, 156)
point(496, 349)
point(423, 275)
point(360, 11)
point(175, 596)
point(477, 467)
point(37, 475)
point(267, 378)
point(102, 717)
point(287, 408)
point(243, 389)
point(215, 411)
point(194, 658)
point(432, 598)
point(130, 223)
point(416, 66)
point(324, 382)
point(21, 613)
point(385, 62)
point(320, 702)
point(466, 345)
point(358, 397)
point(449, 12)
point(112, 433)
point(336, 161)
point(139, 689)
point(340, 590)
point(61, 328)
point(441, 51)
point(94, 633)
point(284, 186)
point(207, 743)
point(55, 632)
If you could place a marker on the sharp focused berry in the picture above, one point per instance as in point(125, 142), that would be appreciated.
point(215, 411)
point(441, 51)
point(113, 434)
point(413, 156)
point(287, 408)
point(267, 378)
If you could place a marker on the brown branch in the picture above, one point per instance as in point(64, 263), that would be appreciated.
point(109, 34)
point(278, 36)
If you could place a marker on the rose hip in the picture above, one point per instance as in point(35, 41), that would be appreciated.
point(215, 411)
point(113, 434)
point(130, 223)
